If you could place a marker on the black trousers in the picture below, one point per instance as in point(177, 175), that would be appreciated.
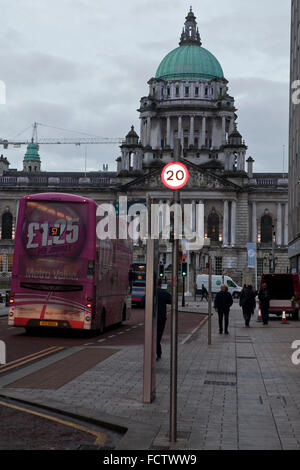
point(265, 314)
point(224, 315)
point(247, 316)
point(160, 330)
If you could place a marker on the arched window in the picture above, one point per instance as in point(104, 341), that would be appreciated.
point(213, 223)
point(7, 226)
point(266, 228)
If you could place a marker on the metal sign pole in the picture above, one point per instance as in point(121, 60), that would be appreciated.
point(150, 314)
point(209, 299)
point(174, 331)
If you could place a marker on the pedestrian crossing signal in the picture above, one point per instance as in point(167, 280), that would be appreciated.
point(161, 270)
point(184, 269)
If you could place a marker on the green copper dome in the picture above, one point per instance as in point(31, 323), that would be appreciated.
point(32, 153)
point(189, 62)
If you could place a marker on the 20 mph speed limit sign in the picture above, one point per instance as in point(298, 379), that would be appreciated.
point(175, 175)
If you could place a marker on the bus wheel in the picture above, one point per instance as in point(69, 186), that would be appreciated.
point(102, 322)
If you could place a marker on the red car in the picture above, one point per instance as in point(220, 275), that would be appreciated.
point(285, 293)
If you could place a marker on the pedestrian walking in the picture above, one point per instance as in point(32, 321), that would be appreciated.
point(264, 297)
point(248, 303)
point(163, 299)
point(204, 293)
point(222, 304)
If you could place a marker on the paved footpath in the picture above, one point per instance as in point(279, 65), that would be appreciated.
point(242, 392)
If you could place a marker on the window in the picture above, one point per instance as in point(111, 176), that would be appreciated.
point(266, 228)
point(168, 91)
point(10, 263)
point(260, 267)
point(213, 223)
point(187, 90)
point(206, 91)
point(7, 222)
point(197, 91)
point(177, 91)
point(218, 265)
point(1, 263)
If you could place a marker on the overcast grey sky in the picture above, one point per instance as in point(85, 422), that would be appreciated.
point(84, 65)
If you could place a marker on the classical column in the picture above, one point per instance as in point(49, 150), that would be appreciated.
point(180, 130)
point(254, 223)
point(168, 143)
point(225, 223)
point(148, 130)
point(223, 129)
point(279, 224)
point(192, 131)
point(203, 132)
point(233, 222)
point(286, 224)
point(200, 219)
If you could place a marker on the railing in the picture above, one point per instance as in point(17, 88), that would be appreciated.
point(51, 180)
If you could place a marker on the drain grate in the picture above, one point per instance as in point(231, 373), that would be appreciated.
point(217, 372)
point(218, 382)
point(246, 357)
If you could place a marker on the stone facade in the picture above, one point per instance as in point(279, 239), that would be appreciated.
point(294, 144)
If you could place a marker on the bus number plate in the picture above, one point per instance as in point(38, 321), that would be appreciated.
point(48, 323)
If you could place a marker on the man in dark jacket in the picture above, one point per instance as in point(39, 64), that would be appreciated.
point(163, 299)
point(264, 300)
point(248, 303)
point(222, 304)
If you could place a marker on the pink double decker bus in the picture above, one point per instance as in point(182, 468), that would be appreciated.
point(62, 275)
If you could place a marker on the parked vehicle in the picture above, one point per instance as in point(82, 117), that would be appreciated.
point(138, 294)
point(233, 288)
point(285, 293)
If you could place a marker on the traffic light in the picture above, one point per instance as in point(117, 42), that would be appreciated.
point(184, 268)
point(161, 271)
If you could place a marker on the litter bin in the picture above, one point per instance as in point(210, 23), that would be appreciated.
point(7, 294)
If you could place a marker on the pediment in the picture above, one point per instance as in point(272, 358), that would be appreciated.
point(199, 179)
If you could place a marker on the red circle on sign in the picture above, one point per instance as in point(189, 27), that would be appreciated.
point(175, 175)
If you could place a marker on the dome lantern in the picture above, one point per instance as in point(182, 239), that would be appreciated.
point(190, 33)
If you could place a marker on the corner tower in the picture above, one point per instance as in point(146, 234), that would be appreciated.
point(32, 161)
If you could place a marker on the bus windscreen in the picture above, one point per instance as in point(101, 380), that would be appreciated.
point(53, 241)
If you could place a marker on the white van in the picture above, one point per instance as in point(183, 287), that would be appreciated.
point(233, 288)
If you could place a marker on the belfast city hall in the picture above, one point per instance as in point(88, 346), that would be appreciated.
point(187, 113)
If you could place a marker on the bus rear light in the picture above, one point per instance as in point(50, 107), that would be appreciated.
point(11, 301)
point(89, 305)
